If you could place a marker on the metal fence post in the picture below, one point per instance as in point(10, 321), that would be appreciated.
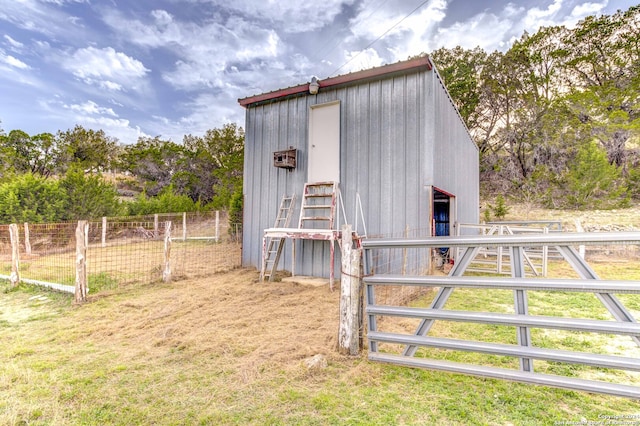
point(15, 255)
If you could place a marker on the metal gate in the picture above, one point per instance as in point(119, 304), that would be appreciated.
point(525, 350)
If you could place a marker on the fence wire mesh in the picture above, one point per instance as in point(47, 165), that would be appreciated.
point(46, 250)
point(126, 250)
point(402, 261)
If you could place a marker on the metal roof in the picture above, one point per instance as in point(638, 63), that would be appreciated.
point(416, 64)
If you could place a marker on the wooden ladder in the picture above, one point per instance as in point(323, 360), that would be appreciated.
point(275, 245)
point(318, 209)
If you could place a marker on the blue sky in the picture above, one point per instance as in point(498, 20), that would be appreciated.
point(174, 67)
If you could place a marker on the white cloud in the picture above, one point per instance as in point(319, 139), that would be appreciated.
point(202, 112)
point(360, 60)
point(89, 115)
point(44, 17)
point(162, 17)
point(91, 107)
point(392, 30)
point(206, 52)
point(486, 30)
point(14, 44)
point(106, 68)
point(581, 11)
point(207, 112)
point(118, 128)
point(493, 30)
point(290, 16)
point(62, 2)
point(12, 61)
point(372, 21)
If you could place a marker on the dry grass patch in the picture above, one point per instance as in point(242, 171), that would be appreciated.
point(197, 347)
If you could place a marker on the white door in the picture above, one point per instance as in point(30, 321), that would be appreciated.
point(324, 143)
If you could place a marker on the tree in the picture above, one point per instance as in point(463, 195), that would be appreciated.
point(154, 162)
point(217, 161)
point(88, 196)
point(21, 153)
point(593, 182)
point(460, 69)
point(602, 59)
point(236, 206)
point(92, 150)
point(500, 209)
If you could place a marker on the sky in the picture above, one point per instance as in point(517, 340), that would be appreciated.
point(171, 68)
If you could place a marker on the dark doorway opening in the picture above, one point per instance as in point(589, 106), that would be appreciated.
point(441, 223)
point(441, 213)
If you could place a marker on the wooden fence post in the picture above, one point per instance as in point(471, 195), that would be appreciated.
point(104, 231)
point(581, 249)
point(217, 225)
point(27, 240)
point(14, 278)
point(166, 272)
point(155, 226)
point(82, 240)
point(349, 331)
point(184, 226)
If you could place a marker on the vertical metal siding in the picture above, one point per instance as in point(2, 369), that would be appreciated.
point(398, 136)
point(456, 169)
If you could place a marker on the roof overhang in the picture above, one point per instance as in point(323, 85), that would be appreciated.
point(412, 65)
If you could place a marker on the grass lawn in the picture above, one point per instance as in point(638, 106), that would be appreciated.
point(227, 349)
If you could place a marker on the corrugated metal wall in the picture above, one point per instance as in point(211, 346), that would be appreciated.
point(456, 163)
point(391, 130)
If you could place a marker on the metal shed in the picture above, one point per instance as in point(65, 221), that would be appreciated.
point(390, 136)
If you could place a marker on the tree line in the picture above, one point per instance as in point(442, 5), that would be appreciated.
point(83, 174)
point(557, 116)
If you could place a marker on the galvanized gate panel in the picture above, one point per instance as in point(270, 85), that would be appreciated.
point(624, 323)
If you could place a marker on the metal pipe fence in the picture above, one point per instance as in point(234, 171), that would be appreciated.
point(500, 341)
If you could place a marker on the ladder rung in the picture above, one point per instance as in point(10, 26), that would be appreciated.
point(319, 195)
point(318, 206)
point(316, 218)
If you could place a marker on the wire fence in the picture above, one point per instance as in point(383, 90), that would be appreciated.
point(124, 250)
point(402, 261)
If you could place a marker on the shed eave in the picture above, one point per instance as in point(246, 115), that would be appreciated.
point(421, 62)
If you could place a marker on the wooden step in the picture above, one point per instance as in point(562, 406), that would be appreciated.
point(317, 206)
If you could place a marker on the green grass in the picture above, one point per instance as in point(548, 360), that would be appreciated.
point(540, 303)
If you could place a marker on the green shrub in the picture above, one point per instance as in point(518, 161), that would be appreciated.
point(593, 182)
point(89, 196)
point(166, 202)
point(500, 209)
point(235, 212)
point(27, 198)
